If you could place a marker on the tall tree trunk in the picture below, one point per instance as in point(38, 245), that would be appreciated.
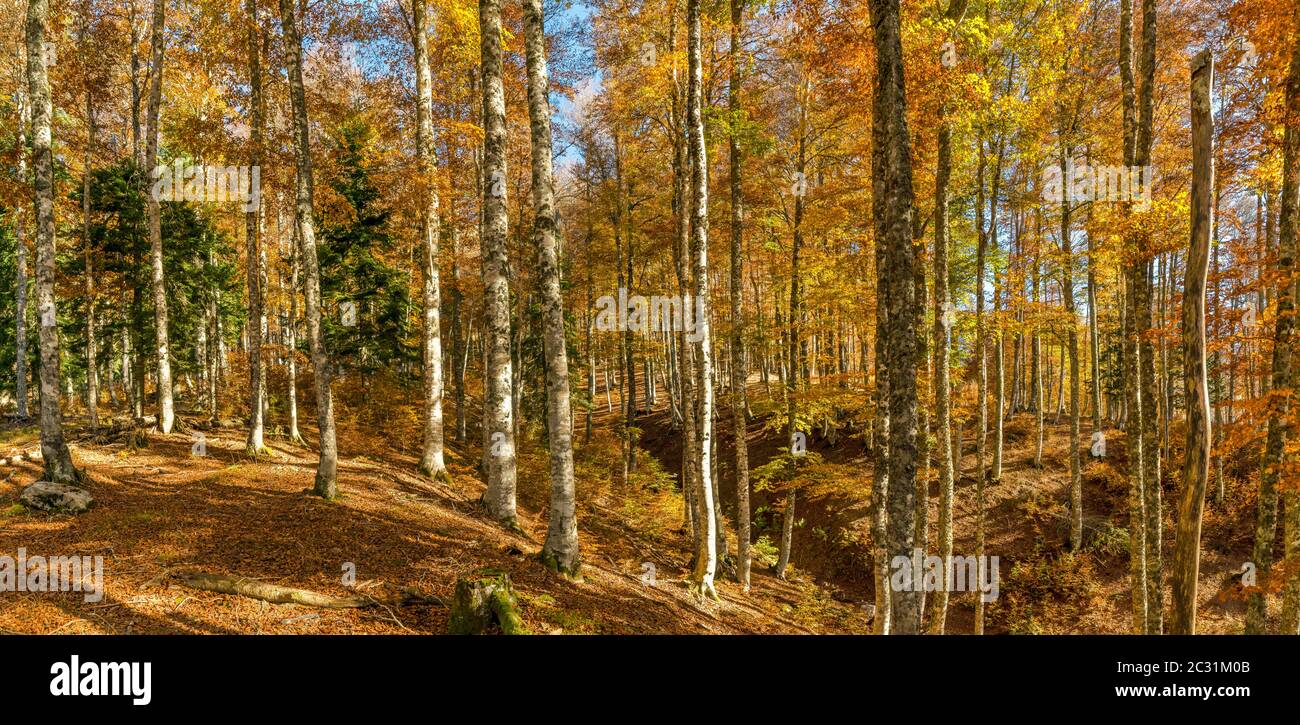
point(739, 373)
point(20, 262)
point(252, 232)
point(892, 206)
point(157, 279)
point(498, 415)
point(944, 316)
point(1151, 463)
point(707, 547)
point(995, 469)
point(1288, 246)
point(561, 548)
point(137, 149)
point(295, 255)
point(1093, 343)
point(796, 333)
point(327, 470)
point(431, 458)
point(591, 320)
point(92, 356)
point(57, 457)
point(921, 499)
point(681, 203)
point(1132, 388)
point(1072, 336)
point(982, 375)
point(879, 445)
point(1280, 397)
point(459, 353)
point(1037, 362)
point(1196, 464)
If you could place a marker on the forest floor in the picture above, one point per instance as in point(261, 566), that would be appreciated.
point(161, 510)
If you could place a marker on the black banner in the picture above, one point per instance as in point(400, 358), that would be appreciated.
point(942, 675)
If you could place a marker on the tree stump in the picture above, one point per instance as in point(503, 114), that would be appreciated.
point(484, 602)
point(136, 439)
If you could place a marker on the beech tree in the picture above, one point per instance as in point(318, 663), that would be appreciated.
point(54, 449)
point(1288, 248)
point(252, 232)
point(944, 317)
point(1196, 465)
point(561, 548)
point(431, 460)
point(706, 547)
point(327, 470)
point(166, 412)
point(739, 372)
point(892, 205)
point(498, 419)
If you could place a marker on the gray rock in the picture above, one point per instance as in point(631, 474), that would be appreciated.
point(57, 498)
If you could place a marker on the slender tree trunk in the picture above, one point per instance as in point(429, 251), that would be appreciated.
point(292, 356)
point(57, 457)
point(458, 347)
point(1196, 464)
point(252, 231)
point(879, 445)
point(681, 249)
point(1288, 245)
point(591, 357)
point(92, 357)
point(1093, 342)
point(431, 458)
point(1280, 398)
point(739, 373)
point(944, 316)
point(995, 470)
point(982, 383)
point(561, 548)
point(796, 333)
point(1132, 390)
point(1037, 362)
point(1146, 369)
point(498, 414)
point(159, 285)
point(327, 470)
point(1072, 335)
point(20, 262)
point(921, 500)
point(706, 550)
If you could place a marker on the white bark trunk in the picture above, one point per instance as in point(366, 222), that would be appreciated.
point(57, 457)
point(252, 232)
point(561, 548)
point(164, 379)
point(327, 469)
point(706, 554)
point(498, 414)
point(431, 461)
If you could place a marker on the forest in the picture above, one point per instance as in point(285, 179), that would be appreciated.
point(649, 317)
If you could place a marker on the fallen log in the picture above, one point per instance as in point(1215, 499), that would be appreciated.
point(276, 594)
